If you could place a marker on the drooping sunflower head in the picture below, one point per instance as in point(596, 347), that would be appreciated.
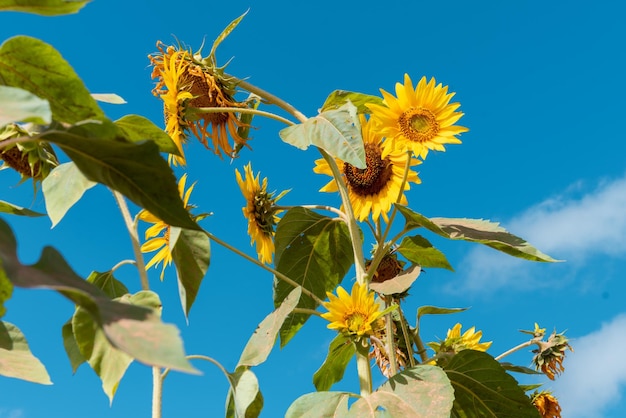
point(455, 342)
point(374, 189)
point(352, 314)
point(417, 119)
point(547, 405)
point(550, 355)
point(259, 211)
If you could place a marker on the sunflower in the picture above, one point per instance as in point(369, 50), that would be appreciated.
point(375, 188)
point(456, 342)
point(417, 119)
point(547, 405)
point(354, 313)
point(154, 239)
point(550, 355)
point(34, 159)
point(260, 212)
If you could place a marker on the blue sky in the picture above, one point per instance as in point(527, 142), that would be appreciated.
point(541, 86)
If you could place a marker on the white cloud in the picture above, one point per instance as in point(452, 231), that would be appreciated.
point(11, 413)
point(595, 373)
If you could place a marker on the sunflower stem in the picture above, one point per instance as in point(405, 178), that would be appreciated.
point(389, 335)
point(268, 115)
point(157, 392)
point(419, 344)
point(306, 311)
point(407, 167)
point(516, 348)
point(363, 367)
point(407, 339)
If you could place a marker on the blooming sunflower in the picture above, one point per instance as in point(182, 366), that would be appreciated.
point(260, 212)
point(154, 239)
point(547, 405)
point(354, 313)
point(375, 188)
point(417, 119)
point(456, 342)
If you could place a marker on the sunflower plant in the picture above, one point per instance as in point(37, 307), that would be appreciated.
point(370, 147)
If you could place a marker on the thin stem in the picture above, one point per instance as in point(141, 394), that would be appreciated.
point(122, 263)
point(419, 344)
point(516, 348)
point(407, 339)
point(391, 346)
point(157, 392)
point(320, 207)
point(407, 168)
point(306, 311)
point(268, 115)
point(201, 357)
point(363, 367)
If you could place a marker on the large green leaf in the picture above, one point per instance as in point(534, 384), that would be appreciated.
point(6, 207)
point(136, 330)
point(475, 230)
point(420, 251)
point(18, 105)
point(137, 128)
point(16, 360)
point(340, 97)
point(244, 399)
point(340, 352)
point(482, 388)
point(43, 7)
point(71, 346)
point(434, 310)
point(37, 67)
point(336, 131)
point(63, 187)
point(316, 252)
point(191, 255)
point(319, 405)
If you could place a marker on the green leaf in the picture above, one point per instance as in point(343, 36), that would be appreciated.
point(246, 400)
point(434, 310)
point(316, 252)
point(110, 98)
point(43, 7)
point(227, 30)
point(518, 369)
point(319, 405)
point(137, 128)
point(338, 98)
point(136, 330)
point(262, 341)
point(71, 346)
point(398, 284)
point(338, 132)
point(340, 352)
point(6, 207)
point(420, 251)
point(191, 255)
point(16, 360)
point(475, 230)
point(482, 388)
point(17, 105)
point(134, 169)
point(108, 284)
point(37, 67)
point(422, 391)
point(6, 290)
point(63, 187)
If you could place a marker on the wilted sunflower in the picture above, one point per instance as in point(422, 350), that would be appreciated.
point(455, 342)
point(260, 212)
point(417, 119)
point(154, 239)
point(354, 313)
point(550, 355)
point(31, 159)
point(375, 188)
point(547, 405)
point(186, 82)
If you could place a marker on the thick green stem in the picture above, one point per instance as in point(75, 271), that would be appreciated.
point(407, 338)
point(363, 367)
point(390, 343)
point(407, 168)
point(419, 344)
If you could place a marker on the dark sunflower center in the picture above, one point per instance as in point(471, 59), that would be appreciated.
point(18, 161)
point(418, 124)
point(264, 212)
point(371, 180)
point(205, 95)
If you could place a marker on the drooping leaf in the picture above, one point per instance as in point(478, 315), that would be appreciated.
point(434, 310)
point(6, 207)
point(191, 255)
point(227, 30)
point(43, 7)
point(136, 330)
point(340, 351)
point(18, 105)
point(398, 284)
point(262, 341)
point(475, 230)
point(320, 405)
point(245, 400)
point(71, 346)
point(110, 98)
point(336, 131)
point(137, 128)
point(6, 290)
point(314, 251)
point(518, 369)
point(482, 388)
point(37, 67)
point(16, 360)
point(63, 187)
point(420, 251)
point(338, 98)
point(422, 391)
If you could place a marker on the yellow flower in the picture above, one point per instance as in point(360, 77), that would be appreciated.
point(547, 405)
point(455, 342)
point(353, 313)
point(417, 119)
point(375, 188)
point(154, 239)
point(260, 212)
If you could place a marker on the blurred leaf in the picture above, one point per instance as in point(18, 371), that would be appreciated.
point(319, 405)
point(71, 346)
point(108, 284)
point(340, 352)
point(17, 105)
point(135, 170)
point(43, 7)
point(338, 132)
point(136, 330)
point(110, 98)
point(476, 230)
point(227, 30)
point(262, 341)
point(434, 310)
point(137, 128)
point(399, 283)
point(246, 401)
point(420, 251)
point(338, 98)
point(6, 290)
point(422, 391)
point(243, 131)
point(6, 207)
point(63, 187)
point(316, 252)
point(16, 360)
point(518, 369)
point(191, 255)
point(482, 388)
point(37, 67)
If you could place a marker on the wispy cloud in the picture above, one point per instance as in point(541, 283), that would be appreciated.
point(11, 413)
point(595, 373)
